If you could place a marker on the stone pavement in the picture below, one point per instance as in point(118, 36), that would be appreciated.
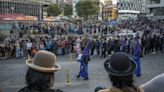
point(12, 73)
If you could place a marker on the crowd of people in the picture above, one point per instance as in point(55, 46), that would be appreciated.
point(151, 41)
point(40, 74)
point(101, 46)
point(62, 28)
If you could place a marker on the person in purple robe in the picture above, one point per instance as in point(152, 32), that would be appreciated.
point(123, 45)
point(136, 56)
point(83, 73)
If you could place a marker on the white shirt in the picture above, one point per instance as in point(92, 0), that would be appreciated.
point(29, 45)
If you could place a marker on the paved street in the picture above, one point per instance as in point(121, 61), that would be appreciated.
point(12, 73)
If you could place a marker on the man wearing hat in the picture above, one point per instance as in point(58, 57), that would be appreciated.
point(120, 68)
point(40, 74)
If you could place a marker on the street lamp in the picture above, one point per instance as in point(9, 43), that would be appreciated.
point(12, 10)
point(40, 10)
point(100, 12)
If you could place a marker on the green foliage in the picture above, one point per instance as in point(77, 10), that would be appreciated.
point(68, 10)
point(53, 10)
point(86, 8)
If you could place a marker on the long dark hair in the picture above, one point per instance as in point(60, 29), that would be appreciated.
point(124, 83)
point(38, 80)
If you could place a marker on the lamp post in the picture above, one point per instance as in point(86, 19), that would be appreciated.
point(12, 10)
point(100, 13)
point(40, 10)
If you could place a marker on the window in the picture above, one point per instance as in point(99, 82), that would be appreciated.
point(154, 1)
point(158, 11)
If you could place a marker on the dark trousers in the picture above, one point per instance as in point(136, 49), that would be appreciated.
point(92, 51)
point(63, 51)
point(103, 54)
point(3, 54)
point(147, 49)
point(29, 52)
point(55, 51)
point(161, 47)
point(152, 48)
point(48, 49)
point(98, 51)
point(109, 52)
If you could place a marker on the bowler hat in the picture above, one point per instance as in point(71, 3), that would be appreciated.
point(119, 64)
point(43, 61)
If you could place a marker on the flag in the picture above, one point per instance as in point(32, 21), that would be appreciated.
point(86, 49)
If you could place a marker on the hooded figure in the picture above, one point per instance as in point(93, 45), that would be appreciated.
point(84, 62)
point(136, 56)
point(123, 45)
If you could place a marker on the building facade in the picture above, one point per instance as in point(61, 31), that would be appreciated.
point(26, 7)
point(155, 8)
point(105, 7)
point(129, 9)
point(107, 12)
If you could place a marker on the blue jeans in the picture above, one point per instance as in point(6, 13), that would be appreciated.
point(17, 52)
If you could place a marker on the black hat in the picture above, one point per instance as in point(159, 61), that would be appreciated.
point(119, 64)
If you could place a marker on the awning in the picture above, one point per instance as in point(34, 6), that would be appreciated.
point(10, 16)
point(27, 18)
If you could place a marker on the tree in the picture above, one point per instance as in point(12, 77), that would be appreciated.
point(86, 8)
point(53, 10)
point(68, 10)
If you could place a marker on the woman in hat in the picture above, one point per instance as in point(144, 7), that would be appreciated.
point(40, 74)
point(120, 68)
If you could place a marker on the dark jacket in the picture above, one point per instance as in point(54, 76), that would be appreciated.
point(26, 89)
point(92, 44)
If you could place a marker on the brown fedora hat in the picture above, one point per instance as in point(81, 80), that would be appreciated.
point(43, 61)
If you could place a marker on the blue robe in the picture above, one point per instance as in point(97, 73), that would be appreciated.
point(136, 57)
point(138, 65)
point(83, 68)
point(84, 61)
